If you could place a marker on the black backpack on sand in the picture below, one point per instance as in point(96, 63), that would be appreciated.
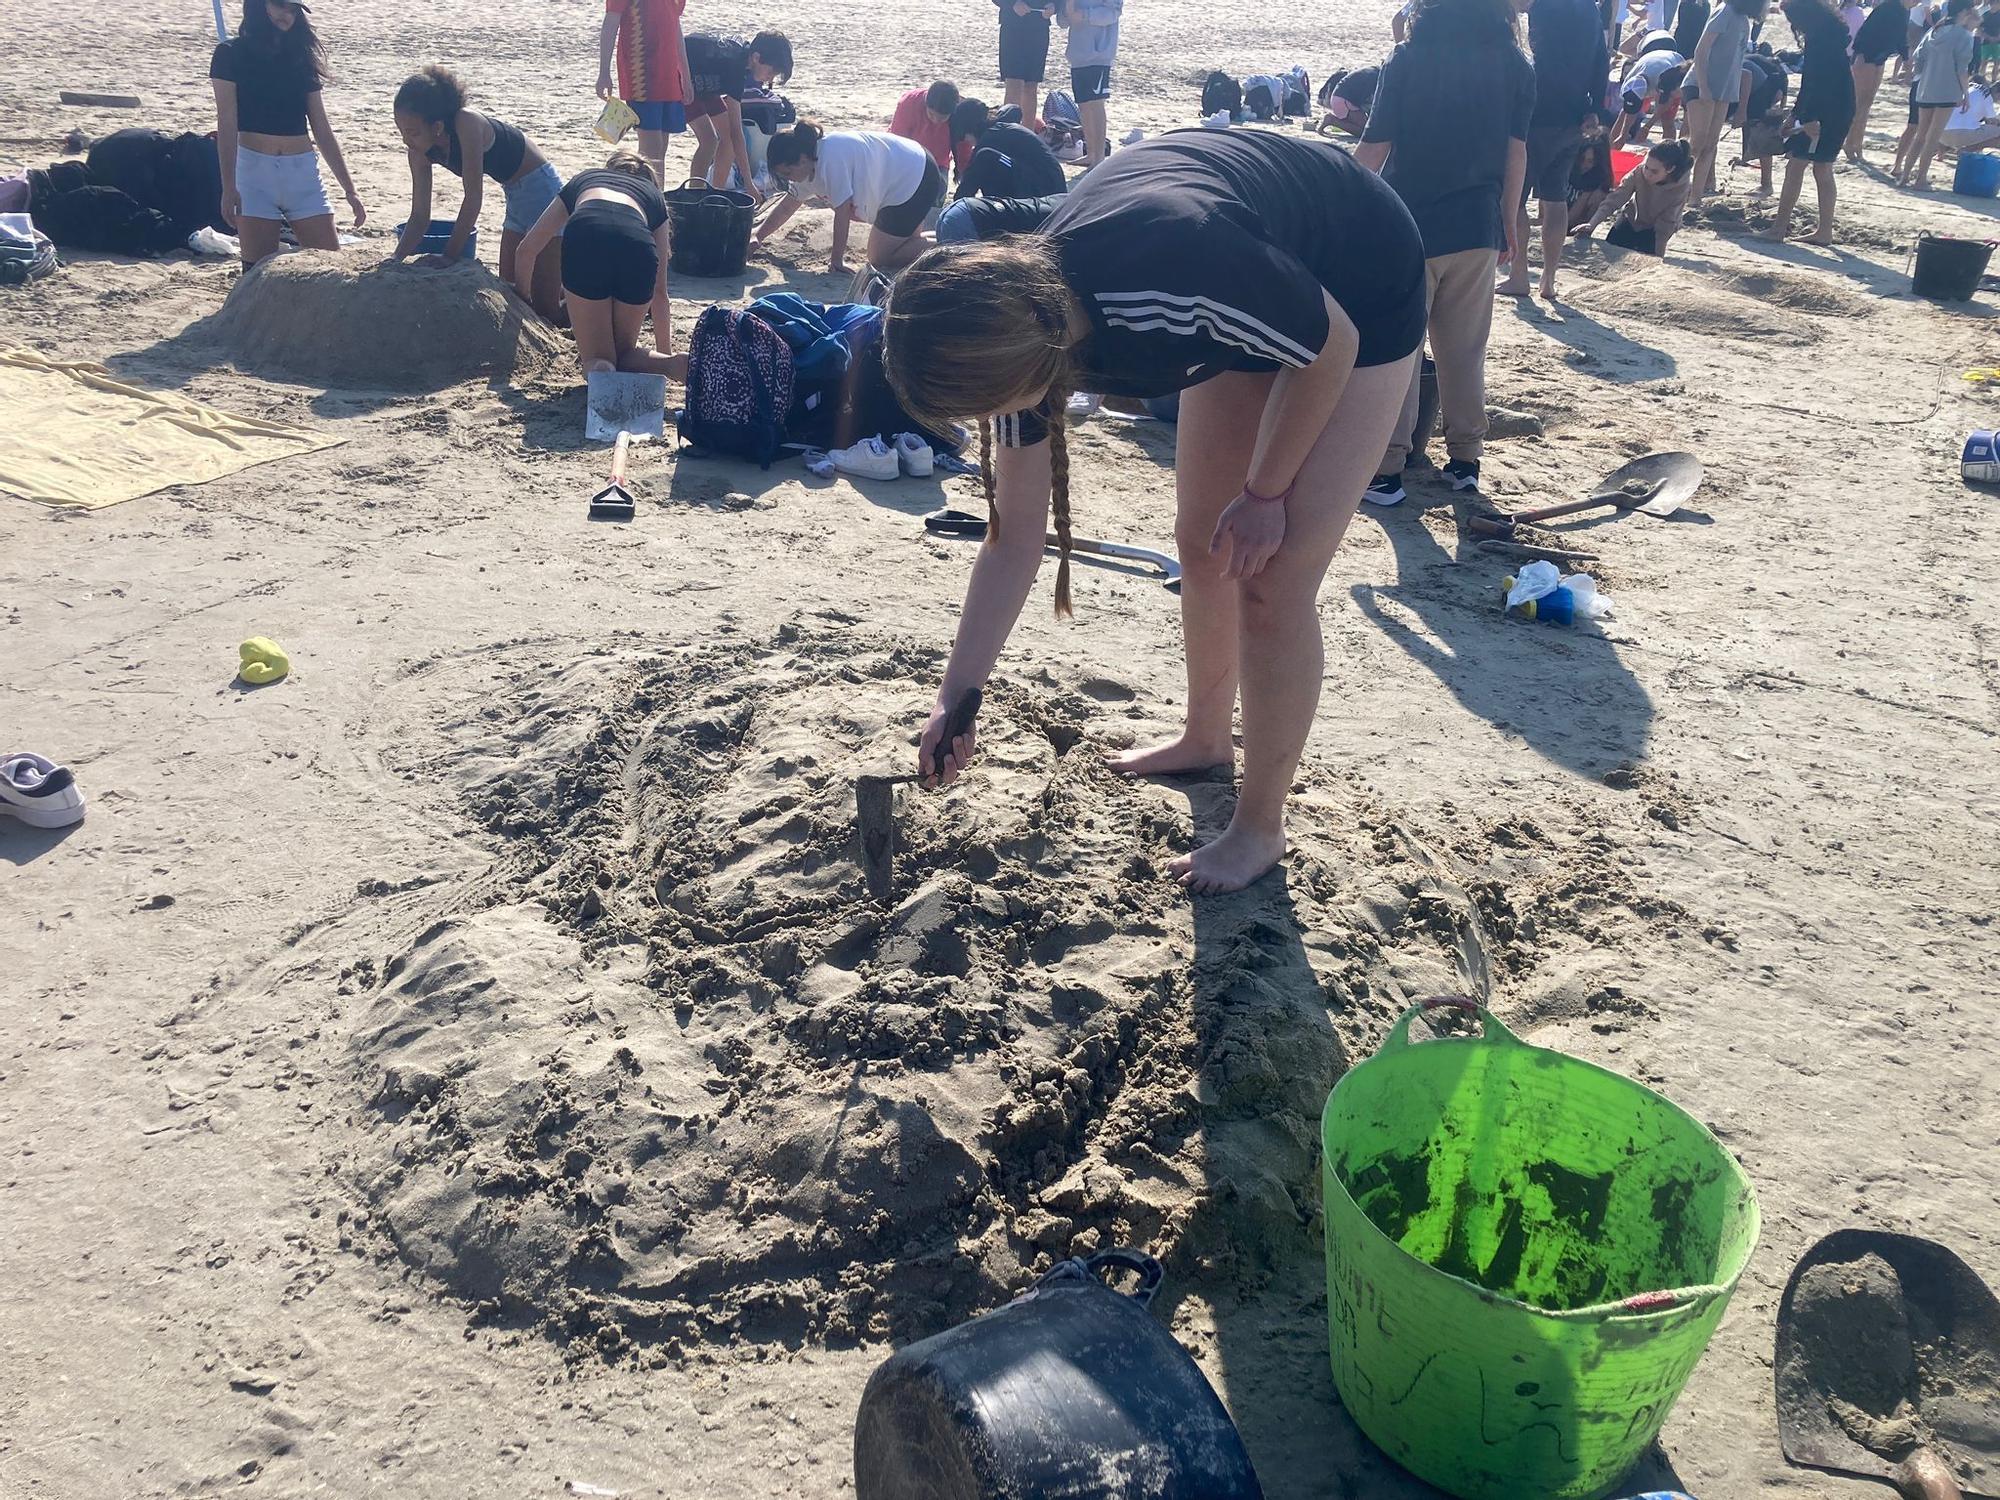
point(1221, 92)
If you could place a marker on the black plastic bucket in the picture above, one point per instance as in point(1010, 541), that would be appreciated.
point(1060, 1392)
point(1949, 268)
point(709, 229)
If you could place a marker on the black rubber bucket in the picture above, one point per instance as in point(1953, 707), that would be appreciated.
point(1949, 268)
point(709, 229)
point(1071, 1389)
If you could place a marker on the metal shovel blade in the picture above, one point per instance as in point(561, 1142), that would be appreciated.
point(1889, 1345)
point(617, 402)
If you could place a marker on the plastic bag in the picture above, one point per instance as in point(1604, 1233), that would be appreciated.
point(1538, 580)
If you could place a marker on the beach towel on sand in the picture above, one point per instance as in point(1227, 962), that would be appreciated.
point(77, 439)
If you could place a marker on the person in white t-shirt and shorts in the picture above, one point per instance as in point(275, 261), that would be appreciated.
point(887, 182)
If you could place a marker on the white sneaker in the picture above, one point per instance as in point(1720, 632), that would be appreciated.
point(1073, 152)
point(1220, 120)
point(871, 458)
point(915, 455)
point(1134, 136)
point(1083, 404)
point(39, 792)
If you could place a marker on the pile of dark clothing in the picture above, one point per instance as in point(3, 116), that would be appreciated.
point(138, 192)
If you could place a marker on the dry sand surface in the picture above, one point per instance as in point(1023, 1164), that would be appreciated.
point(471, 1067)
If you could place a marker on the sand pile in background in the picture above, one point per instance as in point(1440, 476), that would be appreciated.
point(350, 319)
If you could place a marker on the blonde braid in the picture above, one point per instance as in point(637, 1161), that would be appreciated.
point(1057, 404)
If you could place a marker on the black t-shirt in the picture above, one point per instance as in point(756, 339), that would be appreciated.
point(993, 218)
point(1885, 34)
point(271, 86)
point(1771, 82)
point(1826, 80)
point(1202, 251)
point(720, 65)
point(640, 191)
point(1447, 112)
point(1011, 161)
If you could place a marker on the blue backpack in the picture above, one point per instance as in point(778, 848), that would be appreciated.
point(739, 387)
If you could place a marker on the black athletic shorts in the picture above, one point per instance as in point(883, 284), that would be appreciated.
point(907, 217)
point(1087, 85)
point(1551, 158)
point(608, 255)
point(1024, 50)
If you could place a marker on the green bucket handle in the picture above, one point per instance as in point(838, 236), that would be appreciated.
point(1493, 1031)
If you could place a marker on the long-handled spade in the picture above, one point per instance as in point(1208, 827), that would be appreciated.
point(614, 502)
point(875, 801)
point(1654, 485)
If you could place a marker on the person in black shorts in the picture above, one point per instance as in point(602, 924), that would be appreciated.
point(1092, 51)
point(1281, 286)
point(1822, 114)
point(1883, 35)
point(718, 69)
point(613, 225)
point(1024, 54)
point(1571, 68)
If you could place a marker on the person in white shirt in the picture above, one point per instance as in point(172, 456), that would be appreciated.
point(1975, 124)
point(887, 182)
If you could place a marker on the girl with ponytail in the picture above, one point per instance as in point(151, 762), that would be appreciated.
point(1278, 284)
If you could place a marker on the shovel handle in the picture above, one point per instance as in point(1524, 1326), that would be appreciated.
point(1571, 507)
point(962, 715)
point(619, 451)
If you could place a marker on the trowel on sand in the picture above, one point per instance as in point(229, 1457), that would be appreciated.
point(875, 801)
point(1888, 1366)
point(616, 402)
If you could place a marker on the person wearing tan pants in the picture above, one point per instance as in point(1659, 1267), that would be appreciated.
point(1449, 132)
point(1460, 286)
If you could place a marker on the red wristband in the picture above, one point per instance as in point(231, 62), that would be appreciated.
point(1282, 495)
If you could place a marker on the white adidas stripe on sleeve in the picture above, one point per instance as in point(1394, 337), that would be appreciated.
point(1145, 311)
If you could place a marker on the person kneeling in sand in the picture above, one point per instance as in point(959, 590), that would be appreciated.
point(613, 225)
point(887, 182)
point(439, 130)
point(1653, 197)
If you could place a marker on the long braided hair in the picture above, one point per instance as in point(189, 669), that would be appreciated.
point(982, 328)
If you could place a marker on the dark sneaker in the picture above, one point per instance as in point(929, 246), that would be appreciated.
point(1463, 473)
point(1384, 489)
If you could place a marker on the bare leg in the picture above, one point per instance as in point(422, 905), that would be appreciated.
point(1516, 282)
point(706, 139)
point(596, 342)
point(889, 253)
point(653, 146)
point(1906, 149)
point(1281, 655)
point(257, 239)
point(1555, 227)
point(1795, 176)
point(510, 243)
point(1705, 121)
point(1823, 186)
point(1930, 124)
point(318, 233)
point(1212, 448)
point(1867, 81)
point(1096, 130)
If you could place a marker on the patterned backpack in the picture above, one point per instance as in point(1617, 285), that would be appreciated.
point(739, 387)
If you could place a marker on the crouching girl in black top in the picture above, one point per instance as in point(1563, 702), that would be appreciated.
point(268, 115)
point(613, 225)
point(439, 131)
point(1282, 287)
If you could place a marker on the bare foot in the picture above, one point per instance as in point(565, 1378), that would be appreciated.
point(1230, 863)
point(1817, 239)
point(1547, 291)
point(1776, 234)
point(1174, 758)
point(1512, 288)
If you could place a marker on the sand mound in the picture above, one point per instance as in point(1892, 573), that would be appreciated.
point(350, 320)
point(674, 1077)
point(1807, 293)
point(1696, 305)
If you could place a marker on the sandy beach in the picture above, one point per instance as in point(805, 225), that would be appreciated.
point(473, 1067)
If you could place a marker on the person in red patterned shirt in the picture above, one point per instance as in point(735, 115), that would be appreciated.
point(652, 76)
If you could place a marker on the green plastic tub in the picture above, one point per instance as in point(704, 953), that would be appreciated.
point(1525, 1257)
